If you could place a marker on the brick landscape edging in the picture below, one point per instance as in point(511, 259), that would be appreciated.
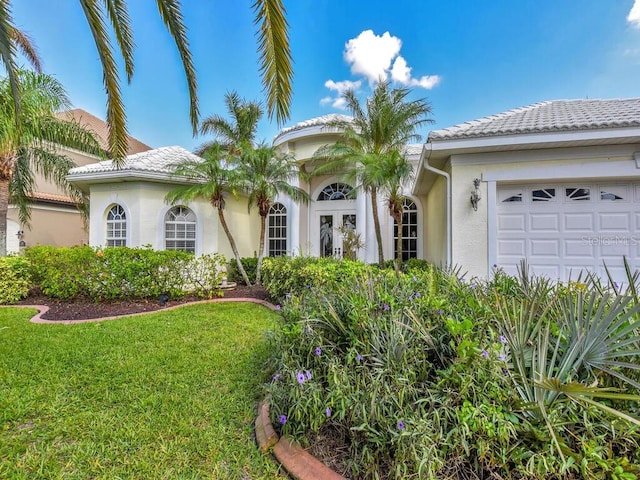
point(43, 309)
point(300, 464)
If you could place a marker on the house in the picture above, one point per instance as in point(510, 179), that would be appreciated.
point(556, 183)
point(55, 220)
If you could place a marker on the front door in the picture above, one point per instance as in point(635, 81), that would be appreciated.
point(332, 227)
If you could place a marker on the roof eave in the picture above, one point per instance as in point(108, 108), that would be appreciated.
point(525, 141)
point(91, 178)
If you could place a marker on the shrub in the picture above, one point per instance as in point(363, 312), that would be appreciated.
point(425, 375)
point(15, 280)
point(121, 272)
point(250, 265)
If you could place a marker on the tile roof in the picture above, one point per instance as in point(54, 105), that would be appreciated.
point(159, 160)
point(550, 116)
point(101, 129)
point(52, 197)
point(316, 122)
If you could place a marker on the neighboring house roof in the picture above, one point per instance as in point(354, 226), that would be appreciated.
point(550, 116)
point(52, 198)
point(101, 129)
point(322, 121)
point(157, 164)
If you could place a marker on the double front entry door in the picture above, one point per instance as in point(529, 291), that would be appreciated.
point(332, 228)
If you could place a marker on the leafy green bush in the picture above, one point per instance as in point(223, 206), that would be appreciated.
point(250, 265)
point(121, 272)
point(424, 375)
point(15, 280)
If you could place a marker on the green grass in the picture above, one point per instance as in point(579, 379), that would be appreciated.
point(163, 396)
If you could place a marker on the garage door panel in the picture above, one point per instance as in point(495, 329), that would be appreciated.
point(513, 247)
point(579, 222)
point(614, 222)
point(512, 222)
point(544, 222)
point(580, 248)
point(545, 248)
point(548, 271)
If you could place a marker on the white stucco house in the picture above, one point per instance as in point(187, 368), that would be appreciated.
point(556, 183)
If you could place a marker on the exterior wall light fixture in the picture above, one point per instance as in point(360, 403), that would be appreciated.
point(475, 194)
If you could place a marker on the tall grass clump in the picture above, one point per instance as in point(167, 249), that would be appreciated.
point(425, 375)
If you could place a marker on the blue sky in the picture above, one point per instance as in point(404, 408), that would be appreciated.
point(469, 58)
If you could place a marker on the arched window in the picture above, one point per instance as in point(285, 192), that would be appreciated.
point(277, 230)
point(337, 191)
point(180, 230)
point(409, 231)
point(116, 227)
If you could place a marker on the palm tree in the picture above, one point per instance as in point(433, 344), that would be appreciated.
point(265, 173)
point(376, 135)
point(242, 128)
point(273, 48)
point(30, 145)
point(214, 182)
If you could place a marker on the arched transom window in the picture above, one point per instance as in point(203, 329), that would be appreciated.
point(180, 230)
point(409, 231)
point(116, 227)
point(337, 191)
point(277, 230)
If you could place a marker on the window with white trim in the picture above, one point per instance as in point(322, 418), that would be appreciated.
point(409, 231)
point(116, 227)
point(337, 191)
point(277, 230)
point(180, 230)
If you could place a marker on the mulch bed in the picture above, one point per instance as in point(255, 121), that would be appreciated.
point(83, 309)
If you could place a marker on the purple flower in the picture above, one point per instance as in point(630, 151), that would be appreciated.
point(308, 373)
point(502, 357)
point(359, 357)
point(318, 351)
point(616, 285)
point(386, 307)
point(282, 419)
point(400, 425)
point(278, 307)
point(415, 279)
point(473, 286)
point(276, 377)
point(503, 339)
point(300, 377)
point(495, 265)
point(485, 354)
point(417, 295)
point(328, 412)
point(439, 311)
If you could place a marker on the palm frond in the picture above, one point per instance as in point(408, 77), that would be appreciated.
point(28, 48)
point(8, 55)
point(116, 116)
point(275, 56)
point(172, 16)
point(121, 23)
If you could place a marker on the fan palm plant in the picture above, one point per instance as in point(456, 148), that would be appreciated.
point(266, 173)
point(31, 145)
point(211, 180)
point(273, 49)
point(376, 135)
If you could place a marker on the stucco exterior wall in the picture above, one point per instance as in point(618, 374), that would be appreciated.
point(435, 223)
point(55, 226)
point(145, 208)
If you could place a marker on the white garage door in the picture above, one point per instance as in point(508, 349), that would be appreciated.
point(561, 229)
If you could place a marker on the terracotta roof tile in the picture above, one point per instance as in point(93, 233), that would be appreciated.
point(101, 129)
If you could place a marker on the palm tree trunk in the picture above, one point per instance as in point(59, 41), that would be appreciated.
point(234, 248)
point(4, 209)
point(376, 225)
point(263, 225)
point(398, 260)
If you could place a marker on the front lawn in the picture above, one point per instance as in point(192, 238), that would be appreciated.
point(167, 395)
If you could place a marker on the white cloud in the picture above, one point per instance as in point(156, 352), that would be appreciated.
point(634, 15)
point(370, 55)
point(339, 88)
point(376, 58)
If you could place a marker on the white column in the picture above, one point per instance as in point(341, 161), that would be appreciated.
point(293, 222)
